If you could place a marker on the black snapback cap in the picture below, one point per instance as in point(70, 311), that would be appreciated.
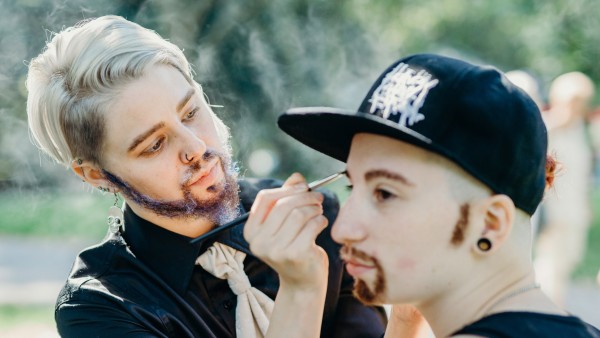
point(469, 114)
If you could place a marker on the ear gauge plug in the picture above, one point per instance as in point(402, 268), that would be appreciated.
point(484, 244)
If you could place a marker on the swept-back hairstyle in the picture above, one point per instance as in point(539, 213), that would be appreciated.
point(81, 70)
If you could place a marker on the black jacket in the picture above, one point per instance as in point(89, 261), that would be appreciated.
point(144, 283)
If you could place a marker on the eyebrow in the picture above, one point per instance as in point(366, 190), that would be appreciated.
point(145, 135)
point(156, 127)
point(372, 174)
point(185, 99)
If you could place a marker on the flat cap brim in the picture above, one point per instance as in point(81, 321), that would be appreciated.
point(330, 130)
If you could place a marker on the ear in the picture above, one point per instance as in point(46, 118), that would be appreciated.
point(499, 216)
point(92, 174)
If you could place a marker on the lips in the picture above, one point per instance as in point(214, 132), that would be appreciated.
point(206, 177)
point(356, 268)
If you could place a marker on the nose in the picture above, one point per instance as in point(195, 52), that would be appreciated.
point(192, 147)
point(348, 226)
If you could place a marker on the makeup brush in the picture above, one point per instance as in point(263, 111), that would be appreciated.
point(311, 186)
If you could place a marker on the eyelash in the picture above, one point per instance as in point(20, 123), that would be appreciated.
point(153, 150)
point(381, 195)
point(191, 114)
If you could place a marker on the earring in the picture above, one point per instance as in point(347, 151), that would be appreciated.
point(115, 217)
point(103, 189)
point(79, 161)
point(484, 244)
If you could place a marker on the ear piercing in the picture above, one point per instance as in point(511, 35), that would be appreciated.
point(103, 189)
point(484, 244)
point(115, 217)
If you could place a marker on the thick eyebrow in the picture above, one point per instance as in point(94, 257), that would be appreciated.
point(145, 135)
point(372, 174)
point(185, 99)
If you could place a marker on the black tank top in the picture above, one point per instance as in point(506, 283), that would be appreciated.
point(530, 325)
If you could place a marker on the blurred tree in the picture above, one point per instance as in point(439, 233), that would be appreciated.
point(257, 58)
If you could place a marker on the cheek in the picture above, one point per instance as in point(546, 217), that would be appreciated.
point(150, 175)
point(205, 129)
point(406, 264)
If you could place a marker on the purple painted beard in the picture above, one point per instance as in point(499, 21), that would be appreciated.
point(219, 208)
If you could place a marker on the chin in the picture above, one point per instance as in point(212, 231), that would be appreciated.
point(370, 293)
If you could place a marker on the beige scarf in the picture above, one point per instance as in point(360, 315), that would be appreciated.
point(254, 308)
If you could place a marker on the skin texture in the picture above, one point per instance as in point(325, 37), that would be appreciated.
point(162, 152)
point(393, 195)
point(410, 229)
point(166, 164)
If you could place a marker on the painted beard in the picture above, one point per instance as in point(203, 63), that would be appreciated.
point(220, 208)
point(370, 295)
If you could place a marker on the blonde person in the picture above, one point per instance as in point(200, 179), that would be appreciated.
point(447, 163)
point(567, 211)
point(118, 105)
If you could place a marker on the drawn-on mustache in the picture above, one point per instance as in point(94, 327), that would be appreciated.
point(196, 166)
point(348, 253)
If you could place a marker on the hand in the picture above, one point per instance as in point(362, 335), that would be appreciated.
point(281, 230)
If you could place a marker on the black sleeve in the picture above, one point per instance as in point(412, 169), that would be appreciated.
point(86, 320)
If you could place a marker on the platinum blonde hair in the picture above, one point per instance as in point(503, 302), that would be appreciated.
point(81, 70)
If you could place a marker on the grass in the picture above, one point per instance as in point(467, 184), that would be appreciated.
point(50, 214)
point(20, 315)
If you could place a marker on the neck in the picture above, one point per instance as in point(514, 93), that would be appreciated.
point(186, 226)
point(476, 299)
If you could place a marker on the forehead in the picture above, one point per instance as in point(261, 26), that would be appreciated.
point(160, 85)
point(370, 151)
point(144, 102)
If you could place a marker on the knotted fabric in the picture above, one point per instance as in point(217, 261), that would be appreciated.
point(254, 308)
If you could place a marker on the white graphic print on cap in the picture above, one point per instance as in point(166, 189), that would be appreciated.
point(402, 91)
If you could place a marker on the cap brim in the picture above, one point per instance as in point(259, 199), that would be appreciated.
point(330, 130)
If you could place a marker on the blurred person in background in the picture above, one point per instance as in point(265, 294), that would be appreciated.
point(567, 211)
point(447, 161)
point(529, 85)
point(118, 105)
point(594, 127)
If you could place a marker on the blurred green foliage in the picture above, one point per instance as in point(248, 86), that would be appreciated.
point(258, 58)
point(12, 316)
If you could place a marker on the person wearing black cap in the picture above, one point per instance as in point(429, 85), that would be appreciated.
point(447, 162)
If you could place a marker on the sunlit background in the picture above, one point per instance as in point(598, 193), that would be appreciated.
point(256, 59)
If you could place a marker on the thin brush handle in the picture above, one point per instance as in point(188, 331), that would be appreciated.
point(244, 217)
